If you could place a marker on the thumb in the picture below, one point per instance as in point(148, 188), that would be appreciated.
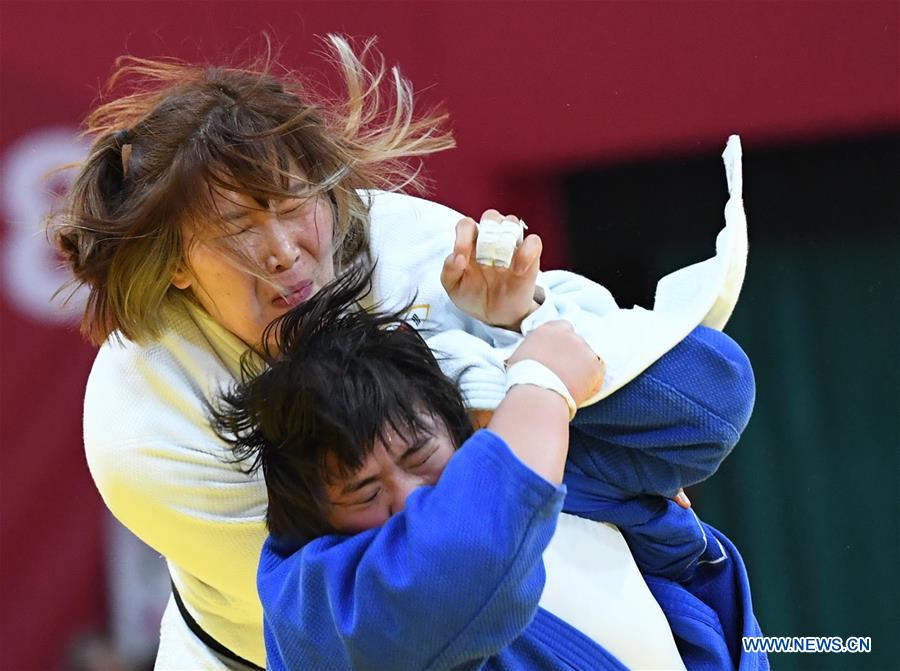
point(599, 378)
point(682, 499)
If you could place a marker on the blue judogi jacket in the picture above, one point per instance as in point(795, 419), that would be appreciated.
point(454, 581)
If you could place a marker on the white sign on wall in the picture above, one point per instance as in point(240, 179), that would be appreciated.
point(31, 270)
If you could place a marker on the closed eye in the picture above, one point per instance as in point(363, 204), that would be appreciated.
point(236, 223)
point(239, 230)
point(370, 499)
point(362, 502)
point(422, 459)
point(289, 212)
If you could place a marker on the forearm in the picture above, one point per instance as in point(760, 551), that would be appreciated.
point(674, 424)
point(534, 422)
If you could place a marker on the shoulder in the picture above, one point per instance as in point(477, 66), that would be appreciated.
point(388, 204)
point(410, 238)
point(126, 375)
point(147, 437)
point(398, 220)
point(152, 391)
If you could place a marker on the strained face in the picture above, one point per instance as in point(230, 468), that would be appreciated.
point(396, 467)
point(253, 264)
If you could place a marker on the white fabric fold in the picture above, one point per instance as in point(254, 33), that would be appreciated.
point(628, 340)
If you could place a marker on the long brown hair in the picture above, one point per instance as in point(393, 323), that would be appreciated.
point(184, 132)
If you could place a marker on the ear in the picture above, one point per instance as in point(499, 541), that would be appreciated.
point(181, 279)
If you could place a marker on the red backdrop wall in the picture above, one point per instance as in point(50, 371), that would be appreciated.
point(533, 89)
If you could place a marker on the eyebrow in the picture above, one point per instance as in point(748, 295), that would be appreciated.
point(235, 215)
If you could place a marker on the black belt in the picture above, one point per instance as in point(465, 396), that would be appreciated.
point(208, 640)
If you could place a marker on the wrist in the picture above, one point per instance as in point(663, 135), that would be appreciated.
point(543, 401)
point(533, 373)
point(516, 325)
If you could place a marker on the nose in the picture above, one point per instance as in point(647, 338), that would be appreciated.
point(401, 489)
point(281, 250)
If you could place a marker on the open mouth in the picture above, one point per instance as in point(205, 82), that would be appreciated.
point(294, 295)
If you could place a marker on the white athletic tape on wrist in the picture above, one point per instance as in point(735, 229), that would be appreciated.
point(497, 241)
point(529, 371)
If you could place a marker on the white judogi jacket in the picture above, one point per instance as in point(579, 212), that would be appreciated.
point(166, 476)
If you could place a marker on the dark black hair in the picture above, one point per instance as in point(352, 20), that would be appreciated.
point(338, 376)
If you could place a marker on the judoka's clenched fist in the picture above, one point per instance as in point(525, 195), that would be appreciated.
point(491, 293)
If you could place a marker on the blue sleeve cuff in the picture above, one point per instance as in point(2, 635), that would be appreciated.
point(487, 450)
